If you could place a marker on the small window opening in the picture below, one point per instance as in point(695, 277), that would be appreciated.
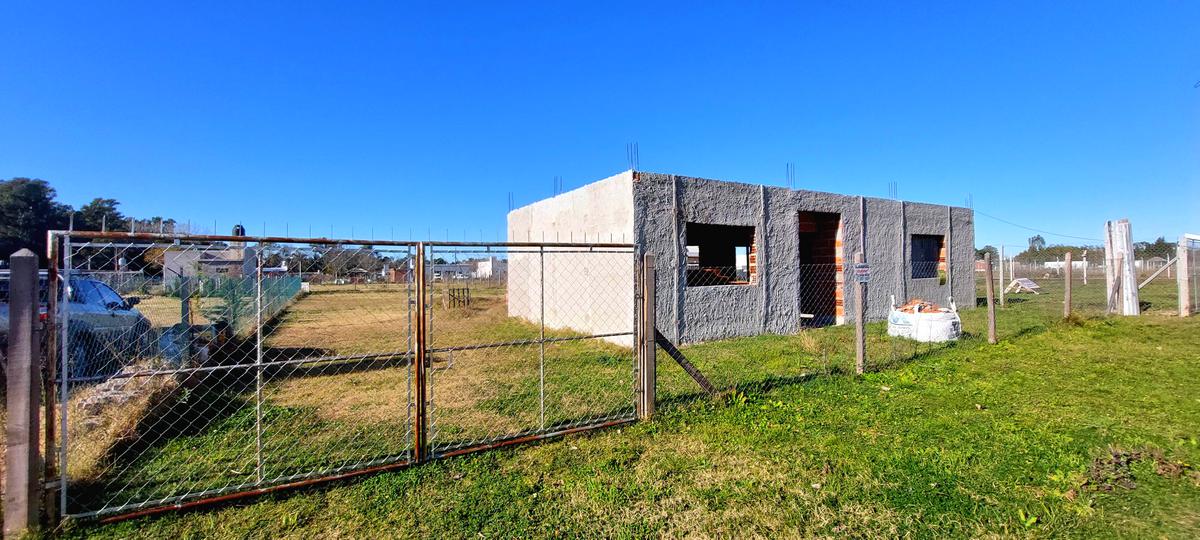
point(928, 256)
point(720, 255)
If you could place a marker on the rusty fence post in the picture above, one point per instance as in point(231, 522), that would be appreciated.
point(647, 365)
point(23, 473)
point(420, 430)
point(860, 318)
point(991, 296)
point(49, 390)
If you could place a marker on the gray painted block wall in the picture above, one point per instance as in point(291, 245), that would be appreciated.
point(664, 203)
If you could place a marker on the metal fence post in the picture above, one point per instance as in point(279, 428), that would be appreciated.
point(50, 495)
point(64, 374)
point(258, 360)
point(860, 305)
point(648, 366)
point(22, 495)
point(542, 335)
point(419, 427)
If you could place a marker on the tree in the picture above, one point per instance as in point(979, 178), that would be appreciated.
point(1037, 243)
point(979, 253)
point(27, 211)
point(101, 215)
point(1158, 248)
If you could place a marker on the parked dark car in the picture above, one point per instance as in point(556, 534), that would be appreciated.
point(105, 332)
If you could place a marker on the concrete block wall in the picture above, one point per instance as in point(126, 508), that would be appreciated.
point(588, 292)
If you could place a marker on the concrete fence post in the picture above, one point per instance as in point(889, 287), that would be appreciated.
point(23, 474)
point(991, 296)
point(1182, 275)
point(647, 372)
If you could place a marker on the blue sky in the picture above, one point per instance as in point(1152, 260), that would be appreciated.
point(391, 118)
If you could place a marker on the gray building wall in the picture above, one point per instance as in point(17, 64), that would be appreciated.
point(651, 210)
point(663, 204)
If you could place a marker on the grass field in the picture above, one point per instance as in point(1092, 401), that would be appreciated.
point(328, 415)
point(1083, 428)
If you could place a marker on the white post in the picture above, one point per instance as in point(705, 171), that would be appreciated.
point(1118, 250)
point(1182, 273)
point(1002, 282)
point(1085, 267)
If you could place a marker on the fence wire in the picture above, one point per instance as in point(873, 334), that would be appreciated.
point(1040, 286)
point(545, 345)
point(227, 366)
point(191, 369)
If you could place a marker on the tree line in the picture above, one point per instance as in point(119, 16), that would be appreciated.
point(1038, 251)
point(29, 207)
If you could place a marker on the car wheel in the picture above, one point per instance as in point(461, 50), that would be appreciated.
point(80, 357)
point(139, 343)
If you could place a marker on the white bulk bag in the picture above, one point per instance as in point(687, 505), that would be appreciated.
point(926, 326)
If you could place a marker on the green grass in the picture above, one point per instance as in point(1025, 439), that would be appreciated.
point(961, 440)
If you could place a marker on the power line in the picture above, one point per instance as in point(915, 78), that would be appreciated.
point(1037, 230)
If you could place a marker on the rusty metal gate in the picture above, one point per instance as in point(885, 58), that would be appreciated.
point(193, 368)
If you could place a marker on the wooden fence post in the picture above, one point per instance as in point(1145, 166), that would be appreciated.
point(860, 317)
point(1067, 291)
point(991, 296)
point(23, 473)
point(648, 365)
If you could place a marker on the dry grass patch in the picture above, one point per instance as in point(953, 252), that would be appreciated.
point(164, 311)
point(101, 416)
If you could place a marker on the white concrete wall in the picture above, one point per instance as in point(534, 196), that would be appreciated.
point(591, 293)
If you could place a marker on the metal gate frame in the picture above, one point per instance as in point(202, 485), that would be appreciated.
point(59, 250)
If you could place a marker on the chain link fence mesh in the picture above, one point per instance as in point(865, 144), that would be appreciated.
point(193, 368)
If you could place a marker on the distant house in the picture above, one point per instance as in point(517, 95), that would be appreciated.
point(399, 273)
point(228, 262)
point(449, 271)
point(489, 268)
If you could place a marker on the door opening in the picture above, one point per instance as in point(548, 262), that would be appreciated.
point(820, 269)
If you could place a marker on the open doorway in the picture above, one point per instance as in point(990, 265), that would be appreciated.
point(820, 273)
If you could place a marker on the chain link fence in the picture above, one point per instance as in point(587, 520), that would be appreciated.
point(1041, 285)
point(191, 368)
point(243, 364)
point(548, 348)
point(1190, 282)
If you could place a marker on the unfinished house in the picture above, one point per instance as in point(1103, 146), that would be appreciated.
point(737, 259)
